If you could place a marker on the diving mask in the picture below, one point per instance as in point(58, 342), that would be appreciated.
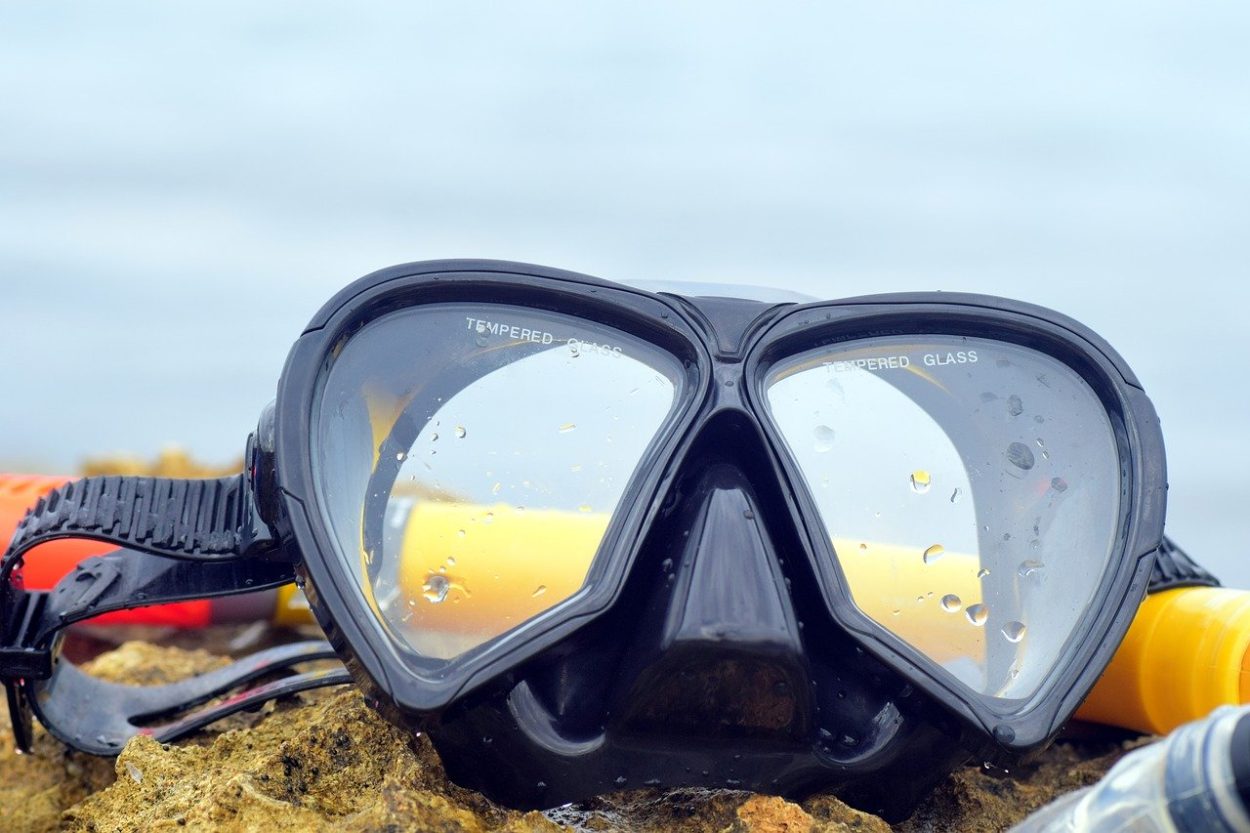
point(590, 537)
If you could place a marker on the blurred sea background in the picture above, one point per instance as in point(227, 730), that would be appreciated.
point(182, 186)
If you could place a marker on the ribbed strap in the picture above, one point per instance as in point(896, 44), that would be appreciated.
point(1173, 568)
point(196, 519)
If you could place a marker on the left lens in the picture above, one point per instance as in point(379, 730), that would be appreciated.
point(469, 458)
point(970, 489)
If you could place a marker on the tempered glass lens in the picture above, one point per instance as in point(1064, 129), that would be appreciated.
point(469, 458)
point(970, 488)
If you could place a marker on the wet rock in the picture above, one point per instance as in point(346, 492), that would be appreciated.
point(324, 761)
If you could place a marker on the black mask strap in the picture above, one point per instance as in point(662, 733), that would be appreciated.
point(1173, 568)
point(193, 519)
point(185, 539)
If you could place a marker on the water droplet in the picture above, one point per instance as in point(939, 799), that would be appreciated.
point(401, 456)
point(436, 588)
point(956, 495)
point(1015, 406)
point(1020, 456)
point(1013, 631)
point(983, 572)
point(585, 507)
point(480, 341)
point(1029, 567)
point(488, 517)
point(494, 490)
point(1041, 443)
point(542, 588)
point(567, 427)
point(977, 614)
point(460, 432)
point(951, 603)
point(460, 532)
point(748, 514)
point(934, 553)
point(920, 481)
point(134, 772)
point(863, 548)
point(434, 437)
point(451, 561)
point(824, 438)
point(1059, 484)
point(896, 611)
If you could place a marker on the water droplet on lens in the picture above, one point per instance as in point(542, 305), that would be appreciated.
point(863, 548)
point(460, 432)
point(567, 427)
point(542, 588)
point(1059, 484)
point(134, 772)
point(951, 603)
point(460, 533)
point(983, 572)
point(920, 481)
point(494, 490)
point(436, 587)
point(896, 611)
point(748, 514)
point(1020, 456)
point(934, 553)
point(488, 517)
point(1013, 631)
point(434, 437)
point(480, 341)
point(956, 495)
point(1029, 567)
point(1015, 406)
point(977, 614)
point(824, 438)
point(1041, 443)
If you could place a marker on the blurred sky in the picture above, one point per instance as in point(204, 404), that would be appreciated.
point(183, 185)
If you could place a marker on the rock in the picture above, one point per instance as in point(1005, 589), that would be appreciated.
point(324, 761)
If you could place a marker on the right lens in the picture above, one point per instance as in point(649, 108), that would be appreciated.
point(469, 458)
point(970, 488)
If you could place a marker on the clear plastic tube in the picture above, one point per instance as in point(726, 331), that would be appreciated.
point(1186, 783)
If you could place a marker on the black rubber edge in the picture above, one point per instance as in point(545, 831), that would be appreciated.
point(1239, 757)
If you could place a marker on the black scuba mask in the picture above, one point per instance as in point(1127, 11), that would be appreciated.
point(590, 537)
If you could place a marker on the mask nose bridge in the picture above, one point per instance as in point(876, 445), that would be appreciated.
point(729, 590)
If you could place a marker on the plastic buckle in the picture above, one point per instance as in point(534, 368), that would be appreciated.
point(19, 659)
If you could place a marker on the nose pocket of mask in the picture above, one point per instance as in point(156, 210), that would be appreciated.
point(729, 657)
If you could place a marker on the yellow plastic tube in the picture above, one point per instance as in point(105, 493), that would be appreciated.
point(491, 568)
point(1185, 654)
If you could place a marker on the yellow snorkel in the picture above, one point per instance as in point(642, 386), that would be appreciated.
point(472, 572)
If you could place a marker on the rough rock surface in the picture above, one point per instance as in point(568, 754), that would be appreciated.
point(325, 762)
